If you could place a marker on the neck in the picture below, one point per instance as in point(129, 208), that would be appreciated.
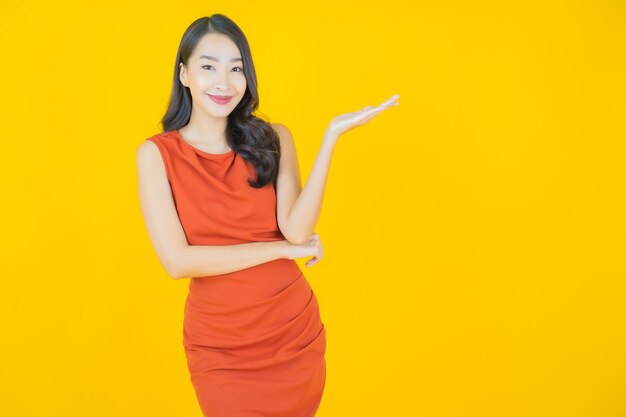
point(206, 130)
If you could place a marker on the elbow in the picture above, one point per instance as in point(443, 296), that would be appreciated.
point(175, 275)
point(179, 263)
point(179, 271)
point(294, 238)
point(174, 268)
point(297, 241)
point(173, 272)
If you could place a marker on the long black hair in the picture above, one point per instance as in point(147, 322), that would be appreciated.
point(248, 135)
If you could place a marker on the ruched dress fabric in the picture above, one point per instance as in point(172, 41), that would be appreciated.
point(253, 338)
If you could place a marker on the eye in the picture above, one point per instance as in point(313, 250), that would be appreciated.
point(240, 69)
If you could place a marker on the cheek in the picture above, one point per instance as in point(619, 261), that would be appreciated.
point(241, 85)
point(197, 81)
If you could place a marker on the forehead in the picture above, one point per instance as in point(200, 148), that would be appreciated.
point(217, 45)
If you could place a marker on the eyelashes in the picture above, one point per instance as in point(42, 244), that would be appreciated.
point(240, 69)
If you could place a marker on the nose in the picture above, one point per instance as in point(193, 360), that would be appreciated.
point(221, 82)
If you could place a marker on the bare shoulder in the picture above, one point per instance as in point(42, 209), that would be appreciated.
point(146, 151)
point(148, 157)
point(278, 126)
point(284, 134)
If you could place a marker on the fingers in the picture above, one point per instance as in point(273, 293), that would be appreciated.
point(370, 112)
point(314, 260)
point(311, 262)
point(391, 101)
point(320, 249)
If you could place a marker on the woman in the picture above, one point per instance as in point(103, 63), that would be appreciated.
point(221, 197)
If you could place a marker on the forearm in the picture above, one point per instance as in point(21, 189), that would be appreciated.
point(305, 212)
point(206, 260)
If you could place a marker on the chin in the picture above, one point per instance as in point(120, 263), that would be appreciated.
point(217, 113)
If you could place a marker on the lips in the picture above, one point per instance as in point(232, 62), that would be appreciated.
point(220, 99)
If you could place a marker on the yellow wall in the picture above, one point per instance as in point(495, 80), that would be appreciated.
point(474, 235)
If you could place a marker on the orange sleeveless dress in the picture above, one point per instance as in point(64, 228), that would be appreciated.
point(253, 338)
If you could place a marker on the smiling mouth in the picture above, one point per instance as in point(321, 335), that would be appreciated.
point(220, 99)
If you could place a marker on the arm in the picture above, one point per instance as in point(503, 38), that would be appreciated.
point(298, 209)
point(168, 237)
point(202, 261)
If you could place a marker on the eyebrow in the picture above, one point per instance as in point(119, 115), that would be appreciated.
point(212, 58)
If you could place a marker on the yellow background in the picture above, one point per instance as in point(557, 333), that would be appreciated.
point(474, 235)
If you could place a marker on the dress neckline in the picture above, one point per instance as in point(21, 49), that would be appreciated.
point(201, 152)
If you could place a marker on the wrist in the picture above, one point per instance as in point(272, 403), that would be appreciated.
point(282, 248)
point(330, 136)
point(329, 142)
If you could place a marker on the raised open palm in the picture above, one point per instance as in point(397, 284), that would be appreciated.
point(345, 122)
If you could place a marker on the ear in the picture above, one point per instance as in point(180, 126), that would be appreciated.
point(183, 74)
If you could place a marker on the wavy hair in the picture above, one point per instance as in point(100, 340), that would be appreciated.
point(248, 135)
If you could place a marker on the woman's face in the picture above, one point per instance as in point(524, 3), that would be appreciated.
point(214, 69)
